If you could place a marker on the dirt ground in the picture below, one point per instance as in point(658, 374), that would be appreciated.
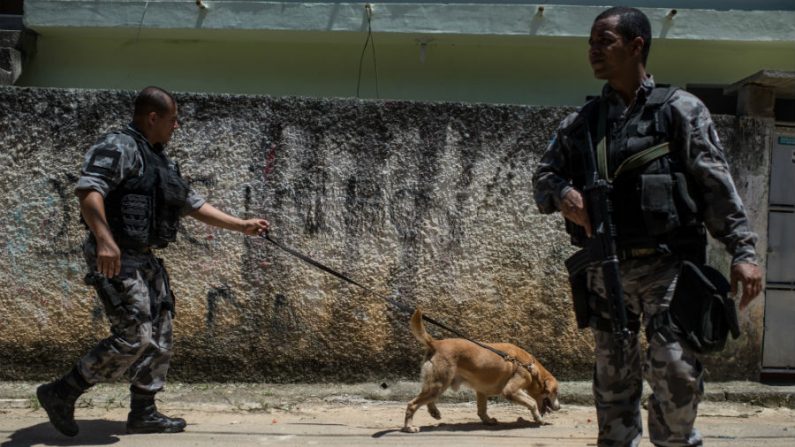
point(359, 422)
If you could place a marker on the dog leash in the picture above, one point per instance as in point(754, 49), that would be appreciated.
point(400, 306)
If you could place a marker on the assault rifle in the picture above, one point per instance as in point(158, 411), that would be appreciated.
point(601, 248)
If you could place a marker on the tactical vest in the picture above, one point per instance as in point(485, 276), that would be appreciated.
point(144, 210)
point(652, 205)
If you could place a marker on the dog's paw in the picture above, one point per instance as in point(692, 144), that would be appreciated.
point(410, 429)
point(435, 413)
point(489, 421)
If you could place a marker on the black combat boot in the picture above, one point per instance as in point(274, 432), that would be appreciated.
point(144, 417)
point(58, 400)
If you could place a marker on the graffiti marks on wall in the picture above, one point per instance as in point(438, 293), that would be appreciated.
point(284, 319)
point(215, 297)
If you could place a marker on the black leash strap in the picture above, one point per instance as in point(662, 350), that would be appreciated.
point(339, 275)
point(402, 307)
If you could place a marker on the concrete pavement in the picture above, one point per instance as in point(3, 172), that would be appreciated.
point(734, 414)
point(263, 396)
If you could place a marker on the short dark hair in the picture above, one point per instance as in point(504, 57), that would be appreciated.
point(632, 23)
point(153, 99)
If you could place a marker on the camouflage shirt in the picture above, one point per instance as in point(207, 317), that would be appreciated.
point(103, 170)
point(693, 135)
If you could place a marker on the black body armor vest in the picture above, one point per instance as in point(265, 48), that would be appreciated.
point(652, 204)
point(143, 211)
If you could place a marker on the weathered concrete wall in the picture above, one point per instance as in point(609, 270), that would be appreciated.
point(428, 203)
point(748, 144)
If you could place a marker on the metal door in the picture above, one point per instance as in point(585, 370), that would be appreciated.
point(778, 355)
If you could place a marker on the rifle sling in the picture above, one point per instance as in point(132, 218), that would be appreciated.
point(601, 138)
point(642, 158)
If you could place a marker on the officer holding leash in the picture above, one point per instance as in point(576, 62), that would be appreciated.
point(132, 197)
point(657, 148)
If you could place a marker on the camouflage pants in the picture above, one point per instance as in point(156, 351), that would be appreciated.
point(674, 373)
point(138, 304)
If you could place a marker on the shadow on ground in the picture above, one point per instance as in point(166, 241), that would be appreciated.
point(94, 432)
point(467, 426)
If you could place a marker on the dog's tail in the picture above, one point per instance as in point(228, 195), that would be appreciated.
point(418, 330)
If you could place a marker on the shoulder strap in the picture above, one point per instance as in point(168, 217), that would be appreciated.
point(129, 132)
point(643, 157)
point(660, 95)
point(594, 114)
point(601, 138)
point(140, 145)
point(655, 104)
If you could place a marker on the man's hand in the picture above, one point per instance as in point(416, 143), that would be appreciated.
point(573, 208)
point(92, 207)
point(255, 227)
point(108, 258)
point(750, 276)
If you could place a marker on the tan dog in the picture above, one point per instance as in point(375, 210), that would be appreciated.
point(455, 361)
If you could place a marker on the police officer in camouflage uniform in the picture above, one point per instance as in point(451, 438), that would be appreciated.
point(662, 202)
point(131, 198)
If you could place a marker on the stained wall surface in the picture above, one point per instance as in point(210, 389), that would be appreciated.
point(429, 204)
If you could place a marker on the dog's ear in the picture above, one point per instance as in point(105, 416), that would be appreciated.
point(550, 386)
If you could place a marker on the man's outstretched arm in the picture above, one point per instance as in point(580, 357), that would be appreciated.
point(217, 218)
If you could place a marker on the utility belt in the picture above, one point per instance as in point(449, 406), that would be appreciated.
point(701, 314)
point(687, 244)
point(637, 253)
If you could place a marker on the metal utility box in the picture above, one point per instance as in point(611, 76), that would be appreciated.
point(778, 356)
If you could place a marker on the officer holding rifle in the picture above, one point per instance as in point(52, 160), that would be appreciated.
point(638, 173)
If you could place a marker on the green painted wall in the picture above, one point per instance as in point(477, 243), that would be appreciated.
point(495, 69)
point(476, 52)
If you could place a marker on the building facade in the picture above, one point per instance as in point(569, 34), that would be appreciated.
point(739, 56)
point(510, 52)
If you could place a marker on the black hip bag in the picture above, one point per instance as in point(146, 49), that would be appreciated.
point(701, 314)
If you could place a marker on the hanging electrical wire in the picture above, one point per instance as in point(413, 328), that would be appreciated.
point(141, 22)
point(368, 41)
